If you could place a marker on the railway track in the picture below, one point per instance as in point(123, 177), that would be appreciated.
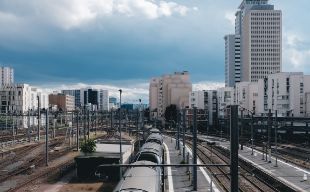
point(247, 182)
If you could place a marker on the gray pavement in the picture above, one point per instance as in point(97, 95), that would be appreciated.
point(178, 178)
point(286, 172)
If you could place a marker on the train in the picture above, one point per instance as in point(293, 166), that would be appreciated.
point(143, 176)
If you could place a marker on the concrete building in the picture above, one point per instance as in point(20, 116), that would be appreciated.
point(76, 94)
point(205, 100)
point(258, 27)
point(288, 93)
point(19, 99)
point(246, 96)
point(63, 102)
point(6, 76)
point(225, 97)
point(197, 99)
point(261, 40)
point(169, 90)
point(95, 99)
point(232, 60)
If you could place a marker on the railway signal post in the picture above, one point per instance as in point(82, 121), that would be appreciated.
point(234, 140)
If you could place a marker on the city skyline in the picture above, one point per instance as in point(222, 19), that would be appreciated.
point(173, 37)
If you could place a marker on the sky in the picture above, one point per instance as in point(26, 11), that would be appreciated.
point(116, 44)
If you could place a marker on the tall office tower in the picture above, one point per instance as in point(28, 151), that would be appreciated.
point(258, 30)
point(232, 60)
point(6, 76)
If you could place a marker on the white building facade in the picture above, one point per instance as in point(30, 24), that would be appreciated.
point(21, 99)
point(6, 76)
point(258, 30)
point(225, 97)
point(288, 93)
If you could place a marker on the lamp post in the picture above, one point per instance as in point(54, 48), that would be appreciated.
point(120, 131)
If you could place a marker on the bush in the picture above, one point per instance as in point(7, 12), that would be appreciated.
point(88, 146)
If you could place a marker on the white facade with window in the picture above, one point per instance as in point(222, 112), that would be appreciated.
point(19, 99)
point(287, 93)
point(225, 97)
point(6, 76)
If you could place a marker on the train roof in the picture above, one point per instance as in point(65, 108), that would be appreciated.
point(155, 136)
point(140, 178)
point(154, 130)
point(152, 147)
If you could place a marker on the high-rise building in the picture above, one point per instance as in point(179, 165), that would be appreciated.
point(6, 76)
point(232, 60)
point(97, 99)
point(169, 90)
point(259, 27)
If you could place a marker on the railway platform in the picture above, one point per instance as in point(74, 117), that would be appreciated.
point(178, 178)
point(296, 177)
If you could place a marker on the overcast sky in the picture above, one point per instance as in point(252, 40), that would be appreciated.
point(123, 43)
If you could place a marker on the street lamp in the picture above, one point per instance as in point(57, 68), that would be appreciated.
point(120, 131)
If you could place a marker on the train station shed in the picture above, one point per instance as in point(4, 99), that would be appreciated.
point(107, 152)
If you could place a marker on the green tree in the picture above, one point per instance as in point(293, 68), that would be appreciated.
point(171, 114)
point(88, 146)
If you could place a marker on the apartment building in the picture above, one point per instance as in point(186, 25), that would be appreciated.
point(62, 101)
point(167, 90)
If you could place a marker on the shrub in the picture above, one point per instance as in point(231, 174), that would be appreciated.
point(88, 146)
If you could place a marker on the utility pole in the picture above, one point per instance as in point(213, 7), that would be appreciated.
point(178, 129)
point(276, 137)
point(39, 118)
point(28, 124)
point(46, 138)
point(269, 135)
point(184, 127)
point(77, 132)
point(241, 129)
point(252, 134)
point(195, 149)
point(84, 123)
point(234, 145)
point(120, 132)
point(88, 129)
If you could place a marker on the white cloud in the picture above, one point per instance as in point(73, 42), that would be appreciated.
point(132, 92)
point(230, 16)
point(207, 85)
point(296, 53)
point(75, 13)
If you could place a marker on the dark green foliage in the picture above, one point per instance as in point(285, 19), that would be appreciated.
point(171, 115)
point(88, 146)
